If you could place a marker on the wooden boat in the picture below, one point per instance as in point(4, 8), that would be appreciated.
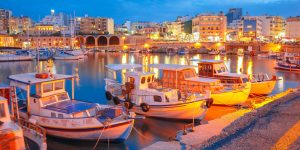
point(260, 85)
point(151, 99)
point(50, 106)
point(290, 62)
point(13, 130)
point(184, 78)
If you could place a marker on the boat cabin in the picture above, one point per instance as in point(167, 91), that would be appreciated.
point(184, 78)
point(47, 96)
point(217, 69)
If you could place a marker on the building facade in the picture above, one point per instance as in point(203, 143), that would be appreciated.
point(59, 19)
point(273, 26)
point(20, 25)
point(90, 25)
point(234, 14)
point(293, 27)
point(251, 27)
point(209, 27)
point(5, 15)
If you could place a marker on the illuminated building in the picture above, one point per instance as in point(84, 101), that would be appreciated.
point(252, 27)
point(292, 27)
point(59, 19)
point(272, 26)
point(19, 25)
point(209, 27)
point(6, 41)
point(44, 41)
point(90, 25)
point(5, 15)
point(234, 14)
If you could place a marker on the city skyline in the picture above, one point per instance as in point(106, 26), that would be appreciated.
point(149, 10)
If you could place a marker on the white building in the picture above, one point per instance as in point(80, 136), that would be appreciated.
point(59, 19)
point(5, 15)
point(272, 26)
point(293, 27)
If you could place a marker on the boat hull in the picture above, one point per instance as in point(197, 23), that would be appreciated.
point(118, 132)
point(233, 97)
point(183, 111)
point(262, 88)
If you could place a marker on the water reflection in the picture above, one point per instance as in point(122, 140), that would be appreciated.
point(239, 68)
point(90, 87)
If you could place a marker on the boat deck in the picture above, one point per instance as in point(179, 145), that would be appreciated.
point(70, 106)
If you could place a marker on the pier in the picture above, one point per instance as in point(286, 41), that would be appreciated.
point(272, 124)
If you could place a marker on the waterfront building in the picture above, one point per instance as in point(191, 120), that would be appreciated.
point(91, 25)
point(7, 41)
point(43, 41)
point(209, 27)
point(251, 28)
point(293, 27)
point(174, 30)
point(273, 26)
point(5, 15)
point(20, 25)
point(137, 26)
point(59, 19)
point(234, 14)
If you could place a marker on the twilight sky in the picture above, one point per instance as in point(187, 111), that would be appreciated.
point(148, 10)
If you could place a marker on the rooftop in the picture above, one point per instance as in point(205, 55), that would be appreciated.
point(29, 78)
point(172, 67)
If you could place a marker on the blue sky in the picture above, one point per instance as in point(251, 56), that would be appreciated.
point(148, 10)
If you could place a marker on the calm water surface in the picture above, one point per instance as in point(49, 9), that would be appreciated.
point(90, 87)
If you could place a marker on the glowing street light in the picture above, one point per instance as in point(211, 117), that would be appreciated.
point(146, 45)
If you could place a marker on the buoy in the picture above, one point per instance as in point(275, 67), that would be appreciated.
point(145, 107)
point(108, 95)
point(128, 104)
point(42, 75)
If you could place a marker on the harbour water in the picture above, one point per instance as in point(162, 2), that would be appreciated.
point(89, 86)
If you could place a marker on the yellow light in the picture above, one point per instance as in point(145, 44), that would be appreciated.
point(125, 47)
point(146, 45)
point(219, 44)
point(123, 37)
point(197, 45)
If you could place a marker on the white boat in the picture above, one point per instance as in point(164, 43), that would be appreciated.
point(214, 52)
point(217, 69)
point(150, 99)
point(134, 50)
point(290, 62)
point(63, 55)
point(13, 132)
point(13, 56)
point(184, 78)
point(50, 106)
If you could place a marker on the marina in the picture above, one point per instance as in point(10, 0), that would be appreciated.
point(91, 80)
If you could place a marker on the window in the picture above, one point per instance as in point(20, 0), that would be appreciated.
point(60, 116)
point(149, 79)
point(63, 96)
point(59, 85)
point(48, 87)
point(53, 115)
point(2, 111)
point(143, 80)
point(157, 98)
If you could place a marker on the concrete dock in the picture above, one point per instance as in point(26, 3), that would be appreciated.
point(271, 124)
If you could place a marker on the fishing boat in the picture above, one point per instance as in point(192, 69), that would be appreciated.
point(214, 52)
point(184, 78)
point(182, 51)
point(134, 50)
point(44, 54)
point(50, 106)
point(290, 62)
point(261, 84)
point(18, 55)
point(13, 130)
point(147, 97)
point(64, 55)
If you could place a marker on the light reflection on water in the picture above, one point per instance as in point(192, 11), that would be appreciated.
point(90, 87)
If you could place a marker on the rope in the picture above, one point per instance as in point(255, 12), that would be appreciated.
point(99, 138)
point(139, 133)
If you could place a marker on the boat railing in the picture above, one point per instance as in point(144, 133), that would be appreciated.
point(29, 127)
point(259, 77)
